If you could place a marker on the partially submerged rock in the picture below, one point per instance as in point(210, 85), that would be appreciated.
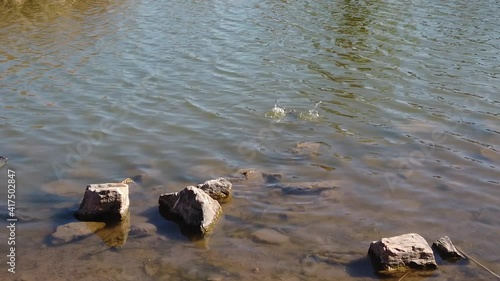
point(107, 202)
point(74, 231)
point(446, 249)
point(219, 189)
point(143, 229)
point(307, 148)
point(192, 208)
point(400, 253)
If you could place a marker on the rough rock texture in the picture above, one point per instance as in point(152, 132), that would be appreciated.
point(74, 231)
point(192, 208)
point(270, 236)
point(3, 160)
point(219, 189)
point(106, 202)
point(446, 249)
point(400, 253)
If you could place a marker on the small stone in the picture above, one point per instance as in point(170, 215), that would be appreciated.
point(255, 176)
point(400, 253)
point(219, 189)
point(106, 202)
point(256, 270)
point(3, 160)
point(307, 148)
point(74, 231)
point(193, 208)
point(270, 236)
point(446, 249)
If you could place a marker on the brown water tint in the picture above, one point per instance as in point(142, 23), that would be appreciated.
point(178, 91)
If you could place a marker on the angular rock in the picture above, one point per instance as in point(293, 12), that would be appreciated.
point(107, 202)
point(446, 249)
point(74, 231)
point(192, 208)
point(219, 189)
point(270, 236)
point(400, 253)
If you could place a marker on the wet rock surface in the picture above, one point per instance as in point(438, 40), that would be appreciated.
point(400, 253)
point(446, 249)
point(74, 231)
point(3, 161)
point(194, 210)
point(255, 176)
point(307, 148)
point(143, 229)
point(219, 189)
point(107, 202)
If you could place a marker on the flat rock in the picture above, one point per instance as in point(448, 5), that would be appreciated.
point(307, 148)
point(143, 229)
point(446, 249)
point(400, 253)
point(192, 208)
point(270, 236)
point(106, 202)
point(64, 188)
point(74, 231)
point(219, 189)
point(305, 187)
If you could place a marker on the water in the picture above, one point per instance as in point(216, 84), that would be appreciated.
point(182, 91)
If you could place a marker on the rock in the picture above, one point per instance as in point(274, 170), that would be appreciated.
point(74, 231)
point(307, 148)
point(66, 188)
point(143, 229)
point(106, 202)
point(251, 175)
point(219, 189)
point(115, 235)
point(400, 253)
point(192, 208)
point(3, 160)
point(270, 236)
point(305, 187)
point(446, 249)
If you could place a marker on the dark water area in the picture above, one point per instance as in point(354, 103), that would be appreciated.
point(398, 103)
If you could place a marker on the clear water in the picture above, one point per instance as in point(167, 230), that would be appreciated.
point(184, 91)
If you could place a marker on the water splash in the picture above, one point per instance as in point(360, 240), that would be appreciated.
point(278, 112)
point(313, 114)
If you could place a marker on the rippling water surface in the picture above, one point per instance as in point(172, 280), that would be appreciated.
point(395, 103)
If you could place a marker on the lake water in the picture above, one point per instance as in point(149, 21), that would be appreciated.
point(397, 102)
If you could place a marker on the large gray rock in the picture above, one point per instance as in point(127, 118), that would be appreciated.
point(219, 189)
point(446, 249)
point(74, 231)
point(400, 253)
point(106, 202)
point(192, 208)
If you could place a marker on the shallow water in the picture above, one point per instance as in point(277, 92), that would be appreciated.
point(181, 92)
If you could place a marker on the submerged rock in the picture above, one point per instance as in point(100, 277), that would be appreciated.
point(106, 202)
point(192, 208)
point(400, 253)
point(252, 175)
point(305, 187)
point(270, 236)
point(307, 148)
point(143, 229)
point(446, 249)
point(74, 231)
point(219, 189)
point(115, 235)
